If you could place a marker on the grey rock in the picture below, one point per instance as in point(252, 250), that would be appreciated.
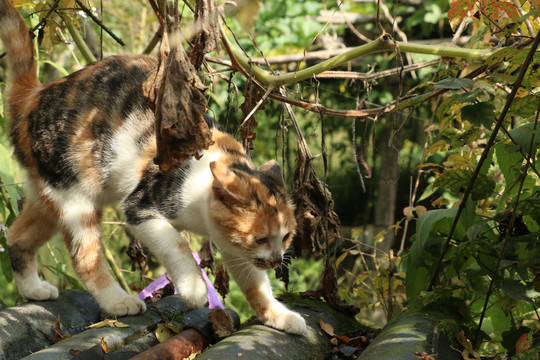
point(29, 327)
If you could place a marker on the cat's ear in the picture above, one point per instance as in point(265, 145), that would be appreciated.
point(227, 186)
point(272, 168)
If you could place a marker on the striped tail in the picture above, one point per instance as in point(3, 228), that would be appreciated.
point(22, 80)
point(18, 46)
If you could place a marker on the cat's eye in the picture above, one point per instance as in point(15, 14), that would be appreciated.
point(261, 241)
point(287, 237)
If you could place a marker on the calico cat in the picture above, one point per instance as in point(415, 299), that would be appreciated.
point(88, 140)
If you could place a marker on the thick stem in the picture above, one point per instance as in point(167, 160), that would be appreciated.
point(79, 41)
point(383, 43)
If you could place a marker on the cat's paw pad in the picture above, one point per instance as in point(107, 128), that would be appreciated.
point(193, 291)
point(126, 305)
point(289, 322)
point(42, 291)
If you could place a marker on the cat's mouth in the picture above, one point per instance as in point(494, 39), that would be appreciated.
point(267, 264)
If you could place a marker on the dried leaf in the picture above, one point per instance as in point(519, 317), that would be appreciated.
point(252, 95)
point(343, 338)
point(207, 31)
point(222, 323)
point(137, 255)
point(108, 323)
point(206, 254)
point(104, 346)
point(176, 95)
point(326, 327)
point(221, 281)
point(57, 331)
point(314, 209)
point(74, 352)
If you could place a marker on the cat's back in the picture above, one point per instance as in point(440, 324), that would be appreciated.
point(84, 127)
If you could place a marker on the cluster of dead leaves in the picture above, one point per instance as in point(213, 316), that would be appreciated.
point(345, 345)
point(177, 95)
point(100, 348)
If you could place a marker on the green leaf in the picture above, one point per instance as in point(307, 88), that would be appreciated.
point(425, 224)
point(523, 135)
point(454, 83)
point(469, 96)
point(417, 276)
point(509, 161)
point(479, 114)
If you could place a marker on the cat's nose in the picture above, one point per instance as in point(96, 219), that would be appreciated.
point(276, 260)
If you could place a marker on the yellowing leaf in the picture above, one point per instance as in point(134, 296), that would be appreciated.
point(104, 346)
point(19, 3)
point(163, 333)
point(108, 323)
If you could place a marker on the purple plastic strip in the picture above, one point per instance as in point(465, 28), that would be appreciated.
point(214, 301)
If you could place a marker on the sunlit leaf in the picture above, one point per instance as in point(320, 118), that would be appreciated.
point(108, 323)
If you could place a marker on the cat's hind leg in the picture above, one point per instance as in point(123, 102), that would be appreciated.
point(81, 226)
point(34, 226)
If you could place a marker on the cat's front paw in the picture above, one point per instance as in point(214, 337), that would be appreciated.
point(40, 291)
point(192, 289)
point(123, 305)
point(288, 321)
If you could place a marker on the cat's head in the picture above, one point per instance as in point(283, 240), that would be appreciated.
point(252, 211)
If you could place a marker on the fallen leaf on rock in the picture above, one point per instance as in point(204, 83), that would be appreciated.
point(74, 352)
point(163, 333)
point(343, 338)
point(222, 323)
point(57, 331)
point(108, 323)
point(104, 346)
point(326, 327)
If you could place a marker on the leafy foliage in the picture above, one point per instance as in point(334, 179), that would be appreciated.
point(488, 258)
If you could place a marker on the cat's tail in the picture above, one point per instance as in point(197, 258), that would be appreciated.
point(19, 48)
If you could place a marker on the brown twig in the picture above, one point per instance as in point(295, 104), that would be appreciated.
point(88, 12)
point(488, 146)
